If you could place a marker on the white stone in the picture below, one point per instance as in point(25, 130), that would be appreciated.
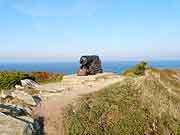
point(29, 83)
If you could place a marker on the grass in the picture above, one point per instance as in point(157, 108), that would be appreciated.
point(135, 106)
point(104, 77)
point(8, 80)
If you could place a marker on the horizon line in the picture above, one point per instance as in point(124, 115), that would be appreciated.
point(77, 60)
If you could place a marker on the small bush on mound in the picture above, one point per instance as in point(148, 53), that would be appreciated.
point(9, 79)
point(137, 70)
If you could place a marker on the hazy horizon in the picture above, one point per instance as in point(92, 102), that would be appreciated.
point(76, 60)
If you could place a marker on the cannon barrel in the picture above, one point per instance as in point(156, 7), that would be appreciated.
point(92, 64)
point(88, 59)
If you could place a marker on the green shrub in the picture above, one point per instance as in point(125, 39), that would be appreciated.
point(137, 70)
point(9, 79)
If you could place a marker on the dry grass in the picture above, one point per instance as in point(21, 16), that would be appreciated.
point(146, 105)
point(163, 88)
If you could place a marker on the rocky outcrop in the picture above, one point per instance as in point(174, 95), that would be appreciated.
point(18, 118)
point(13, 126)
point(16, 110)
point(18, 124)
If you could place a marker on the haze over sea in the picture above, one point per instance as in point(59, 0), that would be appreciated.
point(72, 67)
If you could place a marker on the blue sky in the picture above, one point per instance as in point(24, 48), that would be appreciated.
point(66, 29)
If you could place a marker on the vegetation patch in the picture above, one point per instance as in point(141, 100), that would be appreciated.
point(137, 70)
point(9, 79)
point(135, 106)
point(44, 77)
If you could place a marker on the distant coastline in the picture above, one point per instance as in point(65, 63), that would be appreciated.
point(72, 67)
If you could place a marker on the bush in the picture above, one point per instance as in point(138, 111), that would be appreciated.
point(137, 70)
point(8, 80)
point(43, 77)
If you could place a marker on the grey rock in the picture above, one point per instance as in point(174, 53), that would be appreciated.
point(18, 94)
point(14, 126)
point(25, 97)
point(37, 99)
point(15, 110)
point(29, 83)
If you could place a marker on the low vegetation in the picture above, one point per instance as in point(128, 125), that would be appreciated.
point(44, 77)
point(137, 70)
point(146, 105)
point(9, 79)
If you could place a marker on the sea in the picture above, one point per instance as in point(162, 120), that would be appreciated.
point(72, 67)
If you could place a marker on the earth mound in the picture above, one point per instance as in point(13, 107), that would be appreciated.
point(148, 105)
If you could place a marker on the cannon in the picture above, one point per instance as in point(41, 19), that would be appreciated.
point(90, 65)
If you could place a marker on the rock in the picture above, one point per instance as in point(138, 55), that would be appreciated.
point(14, 126)
point(37, 99)
point(5, 93)
point(15, 110)
point(53, 90)
point(19, 87)
point(29, 83)
point(25, 97)
point(19, 95)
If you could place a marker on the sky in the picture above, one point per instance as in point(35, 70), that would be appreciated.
point(64, 30)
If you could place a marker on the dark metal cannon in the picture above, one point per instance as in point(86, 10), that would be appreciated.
point(90, 65)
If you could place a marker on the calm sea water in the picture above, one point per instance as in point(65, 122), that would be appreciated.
point(72, 67)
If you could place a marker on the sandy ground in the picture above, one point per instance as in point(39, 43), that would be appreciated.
point(56, 96)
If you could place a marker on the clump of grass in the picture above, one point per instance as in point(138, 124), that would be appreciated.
point(137, 70)
point(135, 106)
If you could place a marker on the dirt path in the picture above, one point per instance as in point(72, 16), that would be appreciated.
point(56, 96)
